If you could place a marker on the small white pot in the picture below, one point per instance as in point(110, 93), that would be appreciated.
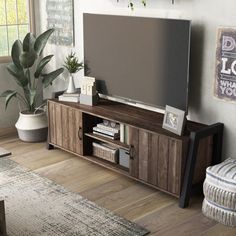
point(71, 85)
point(32, 127)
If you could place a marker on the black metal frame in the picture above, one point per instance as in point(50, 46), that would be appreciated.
point(215, 130)
point(3, 231)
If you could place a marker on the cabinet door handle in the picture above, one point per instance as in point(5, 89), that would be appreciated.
point(80, 133)
point(131, 152)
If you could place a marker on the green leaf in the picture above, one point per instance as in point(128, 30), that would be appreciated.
point(27, 59)
point(18, 75)
point(16, 51)
point(41, 41)
point(48, 78)
point(27, 95)
point(8, 94)
point(72, 63)
point(32, 93)
point(41, 65)
point(28, 43)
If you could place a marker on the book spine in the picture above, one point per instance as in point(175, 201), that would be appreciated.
point(108, 128)
point(105, 131)
point(104, 135)
point(68, 99)
point(122, 133)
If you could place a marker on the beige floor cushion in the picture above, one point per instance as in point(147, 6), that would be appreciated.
point(220, 192)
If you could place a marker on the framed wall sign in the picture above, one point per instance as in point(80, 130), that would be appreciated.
point(60, 16)
point(174, 120)
point(225, 75)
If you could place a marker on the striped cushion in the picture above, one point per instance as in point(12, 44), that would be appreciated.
point(219, 189)
point(223, 175)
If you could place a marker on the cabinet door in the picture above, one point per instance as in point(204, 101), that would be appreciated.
point(156, 159)
point(65, 127)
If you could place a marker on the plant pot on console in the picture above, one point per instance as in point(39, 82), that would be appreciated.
point(28, 70)
point(32, 127)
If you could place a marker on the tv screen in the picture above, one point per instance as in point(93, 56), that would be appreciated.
point(139, 59)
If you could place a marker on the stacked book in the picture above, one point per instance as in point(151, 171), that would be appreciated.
point(107, 131)
point(69, 97)
point(106, 152)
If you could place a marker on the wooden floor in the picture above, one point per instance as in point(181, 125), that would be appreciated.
point(152, 209)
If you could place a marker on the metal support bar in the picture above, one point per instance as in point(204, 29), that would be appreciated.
point(215, 130)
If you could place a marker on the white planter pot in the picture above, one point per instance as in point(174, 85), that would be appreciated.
point(71, 85)
point(32, 127)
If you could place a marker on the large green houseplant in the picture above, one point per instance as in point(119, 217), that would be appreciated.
point(27, 69)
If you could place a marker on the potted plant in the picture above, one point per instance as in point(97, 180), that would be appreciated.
point(27, 68)
point(73, 65)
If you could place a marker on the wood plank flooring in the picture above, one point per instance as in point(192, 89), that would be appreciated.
point(150, 208)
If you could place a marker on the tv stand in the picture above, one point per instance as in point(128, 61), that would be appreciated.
point(158, 158)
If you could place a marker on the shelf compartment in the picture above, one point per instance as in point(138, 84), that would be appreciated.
point(107, 164)
point(115, 143)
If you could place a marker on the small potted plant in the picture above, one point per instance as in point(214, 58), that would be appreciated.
point(73, 65)
point(27, 68)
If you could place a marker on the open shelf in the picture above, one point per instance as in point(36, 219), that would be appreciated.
point(107, 164)
point(115, 143)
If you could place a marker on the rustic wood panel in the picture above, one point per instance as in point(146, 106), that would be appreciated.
point(65, 127)
point(51, 122)
point(134, 141)
point(174, 166)
point(136, 117)
point(71, 130)
point(153, 146)
point(162, 165)
point(78, 125)
point(143, 154)
point(58, 125)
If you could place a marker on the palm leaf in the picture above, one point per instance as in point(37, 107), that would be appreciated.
point(48, 78)
point(41, 41)
point(28, 43)
point(16, 51)
point(8, 94)
point(32, 95)
point(27, 59)
point(18, 74)
point(41, 65)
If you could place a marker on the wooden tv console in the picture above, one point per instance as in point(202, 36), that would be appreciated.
point(173, 164)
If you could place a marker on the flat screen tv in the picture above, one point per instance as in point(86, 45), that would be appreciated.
point(138, 59)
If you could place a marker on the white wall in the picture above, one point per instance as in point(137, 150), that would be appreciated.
point(206, 16)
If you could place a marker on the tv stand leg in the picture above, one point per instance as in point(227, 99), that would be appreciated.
point(50, 146)
point(189, 172)
point(215, 130)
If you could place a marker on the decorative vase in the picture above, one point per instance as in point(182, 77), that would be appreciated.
point(71, 86)
point(32, 127)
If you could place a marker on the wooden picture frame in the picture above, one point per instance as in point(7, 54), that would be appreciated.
point(174, 120)
point(225, 74)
